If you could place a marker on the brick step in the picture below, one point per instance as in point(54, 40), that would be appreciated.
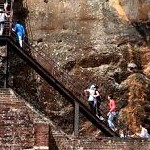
point(6, 107)
point(5, 147)
point(6, 98)
point(5, 91)
point(87, 143)
point(13, 103)
point(10, 111)
point(11, 98)
point(6, 95)
point(4, 101)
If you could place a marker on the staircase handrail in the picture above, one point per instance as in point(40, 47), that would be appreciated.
point(8, 20)
point(62, 76)
point(58, 78)
point(75, 86)
point(50, 62)
point(11, 17)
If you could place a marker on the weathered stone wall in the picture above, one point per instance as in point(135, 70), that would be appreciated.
point(136, 10)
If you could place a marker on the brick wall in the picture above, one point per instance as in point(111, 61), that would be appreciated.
point(23, 128)
point(90, 143)
point(20, 127)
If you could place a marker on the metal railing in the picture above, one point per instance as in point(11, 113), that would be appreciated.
point(73, 85)
point(48, 63)
point(8, 18)
point(45, 60)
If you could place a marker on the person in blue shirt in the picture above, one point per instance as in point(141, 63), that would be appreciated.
point(20, 31)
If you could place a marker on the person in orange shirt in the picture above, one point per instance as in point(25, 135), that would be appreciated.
point(112, 113)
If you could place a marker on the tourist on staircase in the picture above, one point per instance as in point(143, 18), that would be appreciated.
point(20, 31)
point(98, 103)
point(144, 132)
point(94, 100)
point(6, 6)
point(3, 16)
point(112, 113)
point(90, 92)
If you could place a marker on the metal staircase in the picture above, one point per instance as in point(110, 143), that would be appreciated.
point(50, 71)
point(59, 79)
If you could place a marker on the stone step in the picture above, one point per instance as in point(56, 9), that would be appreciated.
point(3, 147)
point(6, 91)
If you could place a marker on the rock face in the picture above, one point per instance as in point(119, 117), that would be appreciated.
point(134, 10)
point(95, 41)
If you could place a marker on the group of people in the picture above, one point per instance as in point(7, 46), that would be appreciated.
point(94, 100)
point(18, 28)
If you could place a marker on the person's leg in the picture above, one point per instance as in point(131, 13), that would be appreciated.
point(95, 107)
point(1, 28)
point(91, 103)
point(110, 120)
point(20, 40)
point(98, 109)
point(98, 112)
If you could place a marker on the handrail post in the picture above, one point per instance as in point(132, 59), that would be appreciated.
point(6, 67)
point(76, 119)
point(11, 17)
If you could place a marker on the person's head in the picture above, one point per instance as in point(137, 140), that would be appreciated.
point(93, 87)
point(143, 125)
point(110, 97)
point(18, 22)
point(1, 10)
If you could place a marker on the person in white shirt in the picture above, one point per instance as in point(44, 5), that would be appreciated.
point(144, 132)
point(3, 16)
point(92, 94)
point(6, 6)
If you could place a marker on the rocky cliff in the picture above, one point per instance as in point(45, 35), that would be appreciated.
point(106, 42)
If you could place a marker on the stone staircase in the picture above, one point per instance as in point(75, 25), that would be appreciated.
point(12, 120)
point(20, 127)
point(90, 143)
point(24, 128)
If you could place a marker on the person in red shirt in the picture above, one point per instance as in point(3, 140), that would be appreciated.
point(112, 112)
